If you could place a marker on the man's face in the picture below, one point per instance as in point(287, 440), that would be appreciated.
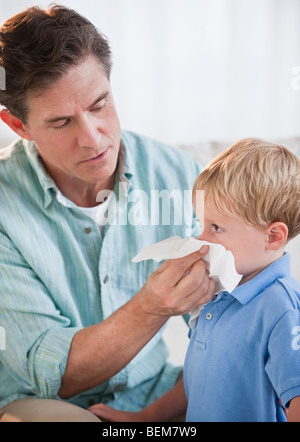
point(76, 128)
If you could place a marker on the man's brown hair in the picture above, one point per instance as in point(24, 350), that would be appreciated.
point(38, 46)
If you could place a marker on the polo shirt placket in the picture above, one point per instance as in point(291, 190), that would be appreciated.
point(212, 313)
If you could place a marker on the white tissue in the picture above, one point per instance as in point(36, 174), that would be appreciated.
point(220, 262)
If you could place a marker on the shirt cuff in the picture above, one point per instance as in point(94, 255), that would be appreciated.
point(48, 359)
point(289, 395)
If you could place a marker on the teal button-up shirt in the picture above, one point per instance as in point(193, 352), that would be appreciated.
point(58, 274)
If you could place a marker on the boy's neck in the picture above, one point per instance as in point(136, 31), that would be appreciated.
point(274, 257)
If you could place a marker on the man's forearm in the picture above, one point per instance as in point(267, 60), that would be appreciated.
point(100, 351)
point(169, 406)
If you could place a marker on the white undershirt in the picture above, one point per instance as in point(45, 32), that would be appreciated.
point(97, 213)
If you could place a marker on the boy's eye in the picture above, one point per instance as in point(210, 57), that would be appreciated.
point(217, 228)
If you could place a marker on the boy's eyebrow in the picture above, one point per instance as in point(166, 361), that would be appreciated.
point(67, 117)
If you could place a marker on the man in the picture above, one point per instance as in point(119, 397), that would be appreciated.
point(83, 323)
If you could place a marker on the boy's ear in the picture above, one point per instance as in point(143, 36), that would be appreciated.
point(15, 124)
point(277, 234)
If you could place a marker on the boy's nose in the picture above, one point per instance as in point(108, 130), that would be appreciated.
point(202, 236)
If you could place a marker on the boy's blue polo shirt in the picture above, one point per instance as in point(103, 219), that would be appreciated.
point(244, 351)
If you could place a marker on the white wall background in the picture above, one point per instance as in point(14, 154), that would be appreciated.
point(193, 70)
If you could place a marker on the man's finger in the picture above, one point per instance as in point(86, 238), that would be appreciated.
point(196, 277)
point(175, 269)
point(201, 296)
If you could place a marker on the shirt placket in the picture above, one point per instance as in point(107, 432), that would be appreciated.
point(208, 318)
point(111, 300)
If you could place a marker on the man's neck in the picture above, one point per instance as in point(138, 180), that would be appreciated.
point(85, 195)
point(80, 192)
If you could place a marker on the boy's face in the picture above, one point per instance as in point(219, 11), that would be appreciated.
point(247, 243)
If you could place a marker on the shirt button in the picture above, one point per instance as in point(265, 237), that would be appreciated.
point(209, 316)
point(105, 279)
point(87, 230)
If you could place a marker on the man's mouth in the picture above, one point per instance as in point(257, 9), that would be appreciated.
point(96, 158)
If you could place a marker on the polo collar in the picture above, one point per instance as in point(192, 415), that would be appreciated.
point(248, 291)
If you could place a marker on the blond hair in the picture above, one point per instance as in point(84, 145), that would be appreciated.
point(256, 181)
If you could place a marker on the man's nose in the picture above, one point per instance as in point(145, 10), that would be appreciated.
point(88, 134)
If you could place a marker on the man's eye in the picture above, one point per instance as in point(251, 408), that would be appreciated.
point(62, 125)
point(99, 106)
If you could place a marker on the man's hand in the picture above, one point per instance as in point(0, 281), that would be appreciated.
point(109, 414)
point(170, 406)
point(178, 286)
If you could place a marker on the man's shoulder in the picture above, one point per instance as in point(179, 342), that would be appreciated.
point(154, 150)
point(11, 157)
point(134, 138)
point(16, 175)
point(9, 152)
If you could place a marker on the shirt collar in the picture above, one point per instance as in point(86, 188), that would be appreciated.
point(125, 168)
point(126, 157)
point(47, 183)
point(248, 291)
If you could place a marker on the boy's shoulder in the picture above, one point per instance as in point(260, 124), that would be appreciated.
point(280, 297)
point(288, 288)
point(271, 293)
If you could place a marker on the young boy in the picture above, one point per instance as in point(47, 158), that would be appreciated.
point(243, 360)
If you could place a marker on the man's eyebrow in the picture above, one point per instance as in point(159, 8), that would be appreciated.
point(67, 117)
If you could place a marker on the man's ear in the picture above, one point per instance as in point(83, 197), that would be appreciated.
point(15, 124)
point(276, 235)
